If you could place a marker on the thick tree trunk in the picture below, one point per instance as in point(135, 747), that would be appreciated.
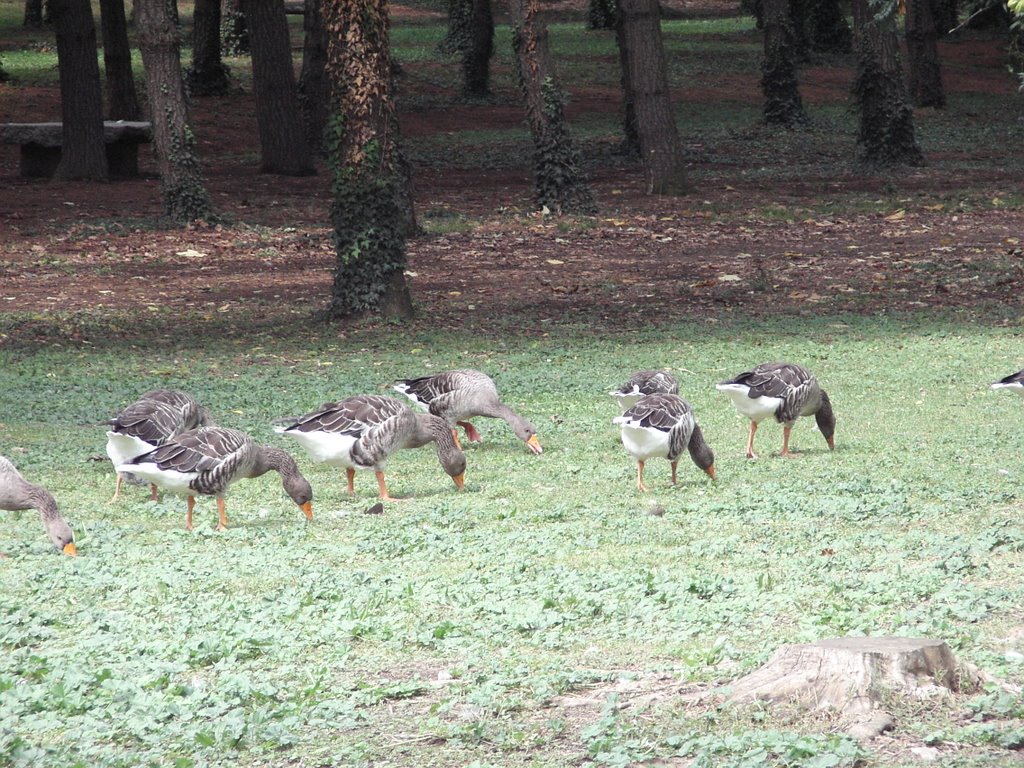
point(181, 180)
point(886, 134)
point(33, 14)
point(645, 72)
point(370, 210)
point(827, 28)
point(946, 13)
point(630, 134)
point(782, 102)
point(208, 75)
point(234, 30)
point(122, 100)
point(602, 14)
point(476, 59)
point(83, 150)
point(314, 93)
point(560, 184)
point(283, 146)
point(456, 38)
point(925, 74)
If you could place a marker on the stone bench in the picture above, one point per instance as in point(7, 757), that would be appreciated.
point(41, 146)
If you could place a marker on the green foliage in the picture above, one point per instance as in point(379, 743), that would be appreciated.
point(559, 181)
point(602, 14)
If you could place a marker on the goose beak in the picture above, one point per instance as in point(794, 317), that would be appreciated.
point(831, 442)
point(70, 549)
point(711, 471)
point(308, 509)
point(534, 444)
point(460, 480)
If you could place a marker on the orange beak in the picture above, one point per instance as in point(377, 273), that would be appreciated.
point(831, 442)
point(460, 481)
point(711, 471)
point(70, 549)
point(308, 509)
point(534, 444)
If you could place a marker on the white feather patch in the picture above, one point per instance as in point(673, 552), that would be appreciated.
point(169, 479)
point(756, 409)
point(326, 447)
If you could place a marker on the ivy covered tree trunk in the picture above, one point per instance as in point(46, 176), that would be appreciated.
point(234, 30)
point(122, 100)
point(782, 103)
point(886, 134)
point(208, 75)
point(33, 14)
point(476, 59)
point(646, 76)
point(456, 38)
point(827, 28)
point(283, 146)
point(370, 209)
point(83, 150)
point(602, 14)
point(925, 73)
point(314, 94)
point(560, 184)
point(181, 179)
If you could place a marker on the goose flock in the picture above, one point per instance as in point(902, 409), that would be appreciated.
point(167, 439)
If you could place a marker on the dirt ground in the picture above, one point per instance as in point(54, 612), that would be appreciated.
point(947, 235)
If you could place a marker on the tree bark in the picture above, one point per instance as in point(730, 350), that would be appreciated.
point(827, 28)
point(122, 99)
point(602, 14)
point(646, 75)
point(181, 180)
point(314, 93)
point(782, 103)
point(886, 133)
point(208, 75)
point(283, 146)
point(234, 30)
point(946, 13)
point(370, 210)
point(925, 74)
point(83, 150)
point(33, 14)
point(476, 59)
point(560, 184)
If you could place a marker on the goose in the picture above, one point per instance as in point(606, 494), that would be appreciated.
point(785, 391)
point(644, 383)
point(209, 459)
point(362, 432)
point(661, 426)
point(17, 493)
point(1015, 382)
point(149, 422)
point(459, 395)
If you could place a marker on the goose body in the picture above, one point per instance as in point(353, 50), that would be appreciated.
point(18, 493)
point(1013, 382)
point(663, 426)
point(459, 395)
point(210, 459)
point(362, 432)
point(784, 391)
point(156, 417)
point(643, 383)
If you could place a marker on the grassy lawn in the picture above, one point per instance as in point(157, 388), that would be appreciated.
point(444, 631)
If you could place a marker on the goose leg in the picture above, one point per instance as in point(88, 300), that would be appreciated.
point(222, 513)
point(471, 434)
point(674, 465)
point(785, 441)
point(350, 474)
point(188, 515)
point(383, 488)
point(750, 441)
point(152, 492)
point(640, 477)
point(117, 488)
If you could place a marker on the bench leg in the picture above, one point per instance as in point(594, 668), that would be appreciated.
point(39, 162)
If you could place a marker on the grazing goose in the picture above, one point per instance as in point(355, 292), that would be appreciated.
point(661, 426)
point(149, 422)
point(459, 395)
point(17, 493)
point(644, 383)
point(785, 391)
point(1015, 382)
point(361, 432)
point(209, 459)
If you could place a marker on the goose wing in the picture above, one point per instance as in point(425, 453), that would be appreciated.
point(667, 414)
point(207, 449)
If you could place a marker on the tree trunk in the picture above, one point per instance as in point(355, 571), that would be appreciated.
point(83, 150)
point(208, 75)
point(925, 74)
point(456, 38)
point(314, 94)
point(560, 184)
point(782, 103)
point(370, 191)
point(602, 14)
point(476, 59)
point(33, 14)
point(181, 180)
point(946, 15)
point(234, 30)
point(645, 72)
point(283, 146)
point(122, 100)
point(827, 28)
point(886, 134)
point(630, 134)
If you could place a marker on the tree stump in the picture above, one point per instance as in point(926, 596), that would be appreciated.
point(849, 674)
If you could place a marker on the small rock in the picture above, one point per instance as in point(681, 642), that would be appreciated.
point(376, 509)
point(928, 754)
point(874, 726)
point(656, 510)
point(1015, 656)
